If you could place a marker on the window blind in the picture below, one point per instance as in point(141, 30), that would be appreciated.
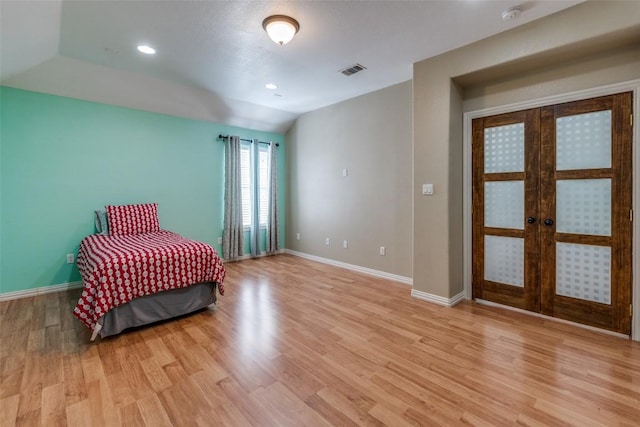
point(263, 184)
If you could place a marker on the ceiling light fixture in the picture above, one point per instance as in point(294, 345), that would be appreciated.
point(280, 28)
point(146, 49)
point(271, 86)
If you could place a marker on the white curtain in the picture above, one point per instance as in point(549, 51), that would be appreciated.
point(273, 235)
point(233, 233)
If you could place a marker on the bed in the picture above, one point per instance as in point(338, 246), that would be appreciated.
point(138, 274)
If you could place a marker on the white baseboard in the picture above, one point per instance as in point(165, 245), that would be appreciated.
point(437, 299)
point(544, 316)
point(39, 291)
point(359, 269)
point(7, 296)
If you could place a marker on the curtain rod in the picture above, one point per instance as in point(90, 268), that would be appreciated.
point(221, 136)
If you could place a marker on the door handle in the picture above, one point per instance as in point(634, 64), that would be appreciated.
point(548, 222)
point(531, 220)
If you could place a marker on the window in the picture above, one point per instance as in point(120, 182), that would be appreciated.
point(263, 184)
point(245, 183)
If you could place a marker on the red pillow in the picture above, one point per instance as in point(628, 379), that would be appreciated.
point(133, 219)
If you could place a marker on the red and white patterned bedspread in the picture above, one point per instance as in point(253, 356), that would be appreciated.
point(117, 269)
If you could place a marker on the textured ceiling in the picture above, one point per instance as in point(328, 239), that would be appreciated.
point(220, 48)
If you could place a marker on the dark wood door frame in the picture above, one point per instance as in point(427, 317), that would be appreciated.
point(617, 315)
point(539, 293)
point(527, 297)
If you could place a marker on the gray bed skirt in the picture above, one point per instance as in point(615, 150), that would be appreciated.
point(156, 307)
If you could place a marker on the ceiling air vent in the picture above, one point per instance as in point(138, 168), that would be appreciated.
point(353, 69)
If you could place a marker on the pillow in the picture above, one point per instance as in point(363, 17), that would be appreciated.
point(102, 225)
point(133, 219)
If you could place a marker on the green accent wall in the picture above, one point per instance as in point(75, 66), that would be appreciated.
point(63, 158)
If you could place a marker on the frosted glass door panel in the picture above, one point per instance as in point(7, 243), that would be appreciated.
point(504, 204)
point(583, 206)
point(584, 272)
point(583, 141)
point(504, 260)
point(504, 148)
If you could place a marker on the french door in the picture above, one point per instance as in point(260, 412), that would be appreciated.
point(552, 210)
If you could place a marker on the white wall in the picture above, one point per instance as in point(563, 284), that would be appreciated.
point(370, 136)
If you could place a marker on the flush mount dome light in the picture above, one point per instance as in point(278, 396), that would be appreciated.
point(271, 86)
point(280, 28)
point(146, 49)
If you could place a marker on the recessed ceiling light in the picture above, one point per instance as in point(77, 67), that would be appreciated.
point(271, 86)
point(146, 49)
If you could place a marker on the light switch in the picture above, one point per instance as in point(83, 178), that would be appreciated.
point(427, 189)
point(345, 172)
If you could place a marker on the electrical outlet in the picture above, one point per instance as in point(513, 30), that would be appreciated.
point(382, 250)
point(326, 241)
point(70, 258)
point(345, 244)
point(297, 236)
point(219, 240)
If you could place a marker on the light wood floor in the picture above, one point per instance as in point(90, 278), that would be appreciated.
point(299, 343)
